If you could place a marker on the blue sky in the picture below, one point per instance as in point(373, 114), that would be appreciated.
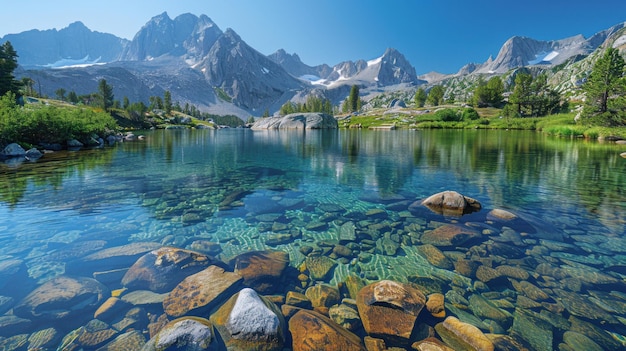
point(434, 35)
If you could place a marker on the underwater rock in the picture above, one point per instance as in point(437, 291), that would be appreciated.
point(436, 305)
point(319, 267)
point(312, 331)
point(193, 295)
point(579, 342)
point(116, 257)
point(513, 272)
point(431, 344)
point(12, 325)
point(276, 239)
point(297, 299)
point(162, 269)
point(131, 340)
point(450, 203)
point(346, 316)
point(110, 309)
point(529, 290)
point(388, 309)
point(248, 321)
point(62, 298)
point(435, 256)
point(262, 270)
point(323, 295)
point(487, 310)
point(579, 305)
point(486, 274)
point(95, 334)
point(347, 232)
point(43, 339)
point(463, 336)
point(532, 329)
point(144, 298)
point(14, 343)
point(184, 334)
point(449, 235)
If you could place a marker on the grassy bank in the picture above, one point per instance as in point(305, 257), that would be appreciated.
point(562, 125)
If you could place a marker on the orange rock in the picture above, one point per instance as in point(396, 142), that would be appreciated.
point(200, 292)
point(450, 235)
point(435, 305)
point(262, 270)
point(463, 336)
point(389, 309)
point(313, 331)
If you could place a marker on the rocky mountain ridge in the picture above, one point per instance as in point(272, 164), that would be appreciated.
point(220, 73)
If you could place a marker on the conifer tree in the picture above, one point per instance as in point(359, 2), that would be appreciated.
point(8, 63)
point(605, 89)
point(105, 94)
point(420, 97)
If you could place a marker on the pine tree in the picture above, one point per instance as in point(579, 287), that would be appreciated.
point(354, 98)
point(8, 63)
point(105, 94)
point(605, 89)
point(435, 95)
point(167, 97)
point(420, 97)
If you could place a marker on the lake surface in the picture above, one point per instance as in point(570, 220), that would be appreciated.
point(233, 191)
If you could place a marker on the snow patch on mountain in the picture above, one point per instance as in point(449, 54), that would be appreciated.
point(544, 58)
point(374, 61)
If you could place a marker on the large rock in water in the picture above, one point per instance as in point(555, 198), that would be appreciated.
point(451, 203)
point(389, 309)
point(162, 269)
point(186, 333)
point(262, 270)
point(199, 293)
point(248, 321)
point(298, 121)
point(313, 331)
point(13, 150)
point(62, 298)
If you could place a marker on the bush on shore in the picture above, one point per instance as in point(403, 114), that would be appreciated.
point(49, 124)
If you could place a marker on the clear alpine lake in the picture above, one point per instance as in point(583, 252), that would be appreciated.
point(558, 266)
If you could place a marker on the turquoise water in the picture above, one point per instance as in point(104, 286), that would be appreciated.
point(254, 190)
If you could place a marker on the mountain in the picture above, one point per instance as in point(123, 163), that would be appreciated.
point(294, 66)
point(218, 72)
point(186, 35)
point(523, 51)
point(73, 45)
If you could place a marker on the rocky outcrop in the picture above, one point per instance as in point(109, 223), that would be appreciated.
point(451, 203)
point(297, 121)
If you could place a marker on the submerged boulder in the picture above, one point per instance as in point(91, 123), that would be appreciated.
point(313, 331)
point(297, 121)
point(162, 269)
point(186, 333)
point(61, 298)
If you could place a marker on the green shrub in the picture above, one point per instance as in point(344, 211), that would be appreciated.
point(50, 124)
point(470, 114)
point(448, 115)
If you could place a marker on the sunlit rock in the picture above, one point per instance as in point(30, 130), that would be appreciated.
point(200, 292)
point(463, 336)
point(450, 235)
point(389, 309)
point(451, 203)
point(184, 334)
point(248, 321)
point(313, 331)
point(297, 121)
